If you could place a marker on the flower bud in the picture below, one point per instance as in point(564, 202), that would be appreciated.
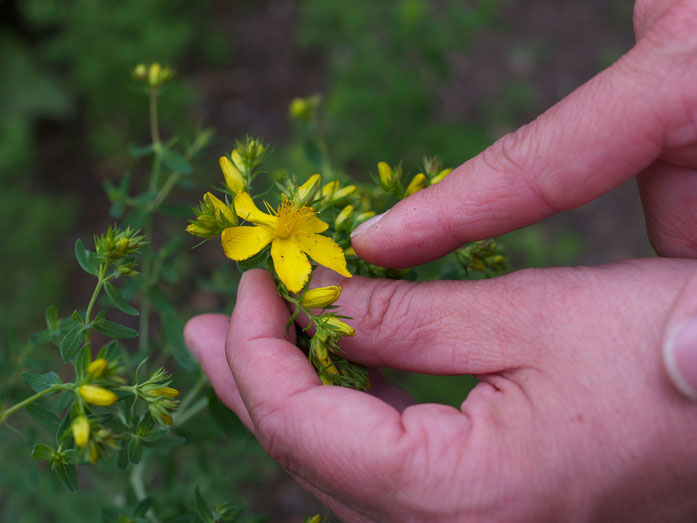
point(328, 365)
point(233, 178)
point(306, 192)
point(224, 214)
point(330, 188)
point(154, 74)
point(439, 177)
point(97, 368)
point(340, 326)
point(93, 452)
point(364, 216)
point(81, 431)
point(140, 72)
point(344, 215)
point(96, 395)
point(321, 297)
point(167, 392)
point(343, 192)
point(237, 160)
point(385, 172)
point(417, 183)
point(319, 347)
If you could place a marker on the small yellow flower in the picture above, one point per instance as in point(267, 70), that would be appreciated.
point(340, 326)
point(233, 178)
point(81, 431)
point(321, 297)
point(167, 392)
point(344, 215)
point(417, 183)
point(440, 176)
point(293, 232)
point(97, 395)
point(97, 369)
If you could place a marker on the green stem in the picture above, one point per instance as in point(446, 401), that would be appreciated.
point(90, 306)
point(14, 408)
point(184, 416)
point(191, 396)
point(154, 123)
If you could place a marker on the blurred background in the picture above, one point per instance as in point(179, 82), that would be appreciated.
point(399, 79)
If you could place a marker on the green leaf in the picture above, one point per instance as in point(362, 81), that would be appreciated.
point(82, 361)
point(86, 259)
point(40, 382)
point(142, 507)
point(41, 337)
point(111, 352)
point(161, 302)
point(44, 416)
point(173, 332)
point(166, 441)
point(42, 452)
point(201, 506)
point(52, 318)
point(224, 417)
point(63, 428)
point(230, 511)
point(66, 475)
point(122, 460)
point(135, 450)
point(72, 342)
point(175, 161)
point(117, 299)
point(137, 151)
point(114, 330)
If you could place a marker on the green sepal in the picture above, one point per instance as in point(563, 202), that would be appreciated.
point(40, 382)
point(118, 300)
point(44, 416)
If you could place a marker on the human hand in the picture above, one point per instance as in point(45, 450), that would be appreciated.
point(637, 117)
point(573, 418)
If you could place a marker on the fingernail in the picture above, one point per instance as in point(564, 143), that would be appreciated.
point(366, 225)
point(680, 356)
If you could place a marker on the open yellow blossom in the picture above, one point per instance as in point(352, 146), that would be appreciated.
point(293, 232)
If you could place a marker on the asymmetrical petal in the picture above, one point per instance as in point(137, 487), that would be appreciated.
point(315, 225)
point(240, 243)
point(292, 266)
point(323, 250)
point(246, 210)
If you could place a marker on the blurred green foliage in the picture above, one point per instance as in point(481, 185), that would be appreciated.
point(385, 63)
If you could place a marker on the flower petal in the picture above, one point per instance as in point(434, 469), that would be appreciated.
point(323, 250)
point(247, 211)
point(314, 224)
point(240, 243)
point(292, 266)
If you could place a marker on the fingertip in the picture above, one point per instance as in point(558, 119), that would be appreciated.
point(205, 330)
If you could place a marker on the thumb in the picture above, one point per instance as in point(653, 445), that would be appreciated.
point(603, 133)
point(680, 341)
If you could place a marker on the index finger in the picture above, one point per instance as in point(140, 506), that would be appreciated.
point(343, 441)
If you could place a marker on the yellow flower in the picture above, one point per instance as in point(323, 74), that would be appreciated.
point(385, 172)
point(97, 368)
point(332, 191)
point(293, 232)
point(344, 215)
point(321, 297)
point(97, 395)
point(81, 431)
point(306, 192)
point(417, 183)
point(233, 177)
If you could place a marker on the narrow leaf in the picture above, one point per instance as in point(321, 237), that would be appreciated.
point(44, 416)
point(118, 300)
point(114, 330)
point(173, 331)
point(71, 342)
point(138, 151)
point(52, 317)
point(201, 506)
point(82, 361)
point(135, 450)
point(85, 260)
point(40, 382)
point(176, 161)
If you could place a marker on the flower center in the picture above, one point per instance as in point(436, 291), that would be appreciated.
point(291, 218)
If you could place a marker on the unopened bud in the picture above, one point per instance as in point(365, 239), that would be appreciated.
point(439, 177)
point(306, 192)
point(222, 210)
point(321, 297)
point(237, 160)
point(167, 392)
point(340, 326)
point(96, 395)
point(385, 172)
point(93, 453)
point(233, 178)
point(140, 72)
point(417, 183)
point(81, 431)
point(97, 368)
point(344, 215)
point(364, 216)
